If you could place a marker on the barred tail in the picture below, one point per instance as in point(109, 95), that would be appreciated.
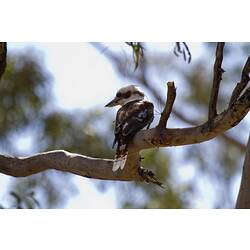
point(119, 163)
point(121, 157)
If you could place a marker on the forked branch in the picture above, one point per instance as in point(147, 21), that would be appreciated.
point(102, 168)
point(159, 136)
point(143, 79)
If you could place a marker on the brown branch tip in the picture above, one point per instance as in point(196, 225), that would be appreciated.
point(168, 106)
point(218, 71)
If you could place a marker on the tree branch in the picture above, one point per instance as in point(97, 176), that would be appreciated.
point(144, 81)
point(63, 161)
point(190, 121)
point(176, 137)
point(3, 56)
point(212, 112)
point(102, 168)
point(169, 105)
point(243, 199)
point(159, 136)
point(242, 84)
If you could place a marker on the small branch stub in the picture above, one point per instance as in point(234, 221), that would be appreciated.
point(218, 71)
point(168, 106)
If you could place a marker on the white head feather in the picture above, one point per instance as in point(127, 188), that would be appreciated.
point(125, 95)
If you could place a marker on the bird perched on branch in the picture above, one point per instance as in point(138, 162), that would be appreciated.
point(135, 114)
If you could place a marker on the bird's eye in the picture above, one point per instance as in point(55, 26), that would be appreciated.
point(127, 94)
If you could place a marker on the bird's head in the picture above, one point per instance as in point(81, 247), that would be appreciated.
point(126, 94)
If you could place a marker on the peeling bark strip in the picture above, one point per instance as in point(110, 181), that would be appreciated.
point(3, 56)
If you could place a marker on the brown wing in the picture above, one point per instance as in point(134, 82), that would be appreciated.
point(138, 119)
point(131, 118)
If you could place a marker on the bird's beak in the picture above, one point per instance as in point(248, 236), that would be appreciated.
point(113, 103)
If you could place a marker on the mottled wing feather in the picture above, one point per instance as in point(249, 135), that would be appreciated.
point(140, 118)
point(133, 117)
point(134, 125)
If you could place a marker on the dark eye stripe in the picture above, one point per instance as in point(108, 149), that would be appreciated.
point(119, 95)
point(127, 94)
point(123, 95)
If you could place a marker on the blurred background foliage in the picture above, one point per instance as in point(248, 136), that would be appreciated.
point(27, 113)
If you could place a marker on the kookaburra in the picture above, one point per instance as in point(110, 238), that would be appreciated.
point(135, 114)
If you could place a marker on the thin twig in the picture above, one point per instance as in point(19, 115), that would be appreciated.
point(188, 51)
point(169, 105)
point(178, 50)
point(242, 84)
point(212, 111)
